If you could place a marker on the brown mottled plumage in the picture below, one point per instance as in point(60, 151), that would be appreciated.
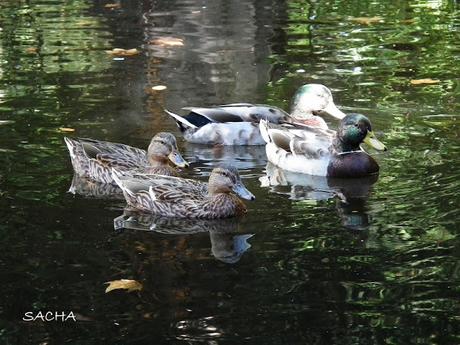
point(95, 159)
point(184, 198)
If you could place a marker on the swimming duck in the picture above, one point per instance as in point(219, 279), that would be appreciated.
point(236, 124)
point(95, 159)
point(184, 198)
point(316, 151)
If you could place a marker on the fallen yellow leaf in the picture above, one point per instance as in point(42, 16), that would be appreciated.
point(123, 52)
point(66, 129)
point(112, 6)
point(125, 284)
point(367, 20)
point(424, 81)
point(31, 50)
point(159, 87)
point(168, 41)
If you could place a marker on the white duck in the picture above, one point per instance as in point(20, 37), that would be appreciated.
point(237, 124)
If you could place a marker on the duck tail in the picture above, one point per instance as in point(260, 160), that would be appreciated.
point(263, 126)
point(182, 123)
point(72, 145)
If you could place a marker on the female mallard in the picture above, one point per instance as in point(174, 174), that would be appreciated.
point(95, 159)
point(236, 124)
point(184, 198)
point(321, 152)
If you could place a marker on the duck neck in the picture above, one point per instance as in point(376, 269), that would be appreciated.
point(299, 114)
point(217, 190)
point(157, 161)
point(339, 146)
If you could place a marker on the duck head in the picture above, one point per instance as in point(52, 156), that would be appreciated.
point(163, 147)
point(354, 130)
point(311, 99)
point(225, 179)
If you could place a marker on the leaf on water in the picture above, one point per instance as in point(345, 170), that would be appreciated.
point(125, 284)
point(67, 129)
point(159, 87)
point(168, 41)
point(367, 20)
point(112, 6)
point(425, 81)
point(123, 52)
point(5, 122)
point(31, 50)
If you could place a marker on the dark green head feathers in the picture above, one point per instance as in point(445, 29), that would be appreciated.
point(349, 160)
point(355, 129)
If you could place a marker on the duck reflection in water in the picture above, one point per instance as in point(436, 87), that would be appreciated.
point(227, 245)
point(241, 157)
point(351, 193)
point(94, 189)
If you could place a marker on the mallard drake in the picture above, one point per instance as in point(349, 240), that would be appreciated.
point(316, 151)
point(184, 198)
point(95, 159)
point(236, 124)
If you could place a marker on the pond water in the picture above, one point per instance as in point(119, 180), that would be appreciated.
point(315, 261)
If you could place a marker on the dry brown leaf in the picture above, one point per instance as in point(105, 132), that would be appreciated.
point(123, 52)
point(367, 20)
point(125, 284)
point(32, 50)
point(67, 129)
point(112, 6)
point(425, 81)
point(168, 41)
point(159, 87)
point(140, 247)
point(84, 22)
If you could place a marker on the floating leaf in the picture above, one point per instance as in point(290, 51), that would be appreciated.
point(5, 122)
point(168, 41)
point(67, 129)
point(32, 50)
point(159, 87)
point(125, 284)
point(367, 20)
point(112, 6)
point(123, 52)
point(424, 81)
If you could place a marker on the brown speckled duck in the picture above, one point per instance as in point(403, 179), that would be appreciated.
point(95, 159)
point(184, 198)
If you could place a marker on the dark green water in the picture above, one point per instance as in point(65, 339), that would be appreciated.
point(329, 263)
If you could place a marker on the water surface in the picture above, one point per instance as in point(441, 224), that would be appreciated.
point(315, 260)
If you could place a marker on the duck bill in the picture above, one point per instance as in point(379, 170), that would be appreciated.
point(332, 110)
point(177, 159)
point(373, 142)
point(242, 191)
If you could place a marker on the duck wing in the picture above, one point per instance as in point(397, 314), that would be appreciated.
point(307, 141)
point(235, 112)
point(164, 187)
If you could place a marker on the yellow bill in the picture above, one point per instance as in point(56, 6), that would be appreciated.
point(372, 141)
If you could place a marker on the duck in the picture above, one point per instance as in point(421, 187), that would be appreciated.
point(320, 152)
point(237, 123)
point(177, 197)
point(94, 159)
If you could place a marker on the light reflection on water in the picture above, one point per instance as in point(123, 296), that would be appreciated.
point(327, 262)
